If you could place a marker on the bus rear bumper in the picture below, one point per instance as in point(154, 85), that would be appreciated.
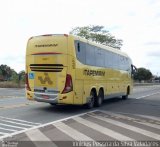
point(42, 97)
point(52, 101)
point(55, 98)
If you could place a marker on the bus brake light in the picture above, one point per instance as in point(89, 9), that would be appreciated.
point(68, 85)
point(27, 82)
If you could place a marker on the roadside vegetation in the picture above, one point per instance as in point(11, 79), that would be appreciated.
point(9, 78)
point(97, 34)
point(144, 75)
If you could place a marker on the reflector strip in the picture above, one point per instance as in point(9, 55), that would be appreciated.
point(46, 53)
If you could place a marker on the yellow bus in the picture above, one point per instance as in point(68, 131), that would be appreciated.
point(66, 69)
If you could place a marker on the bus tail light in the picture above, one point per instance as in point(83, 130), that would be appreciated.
point(68, 85)
point(27, 82)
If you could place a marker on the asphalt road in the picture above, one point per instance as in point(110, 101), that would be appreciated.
point(143, 100)
point(140, 114)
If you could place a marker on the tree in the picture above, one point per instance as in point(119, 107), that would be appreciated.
point(143, 74)
point(97, 34)
point(1, 76)
point(21, 75)
point(5, 71)
point(14, 76)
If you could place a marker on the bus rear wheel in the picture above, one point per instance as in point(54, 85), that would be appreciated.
point(99, 99)
point(91, 102)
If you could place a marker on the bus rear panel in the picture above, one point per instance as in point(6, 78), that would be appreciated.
point(47, 79)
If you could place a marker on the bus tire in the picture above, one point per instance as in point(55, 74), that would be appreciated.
point(52, 104)
point(99, 99)
point(124, 97)
point(91, 102)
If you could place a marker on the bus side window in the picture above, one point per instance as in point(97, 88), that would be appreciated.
point(99, 57)
point(80, 51)
point(90, 55)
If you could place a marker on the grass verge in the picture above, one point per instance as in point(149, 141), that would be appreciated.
point(11, 84)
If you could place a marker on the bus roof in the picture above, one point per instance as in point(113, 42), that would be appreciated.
point(114, 50)
point(111, 49)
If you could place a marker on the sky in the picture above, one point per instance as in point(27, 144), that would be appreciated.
point(136, 22)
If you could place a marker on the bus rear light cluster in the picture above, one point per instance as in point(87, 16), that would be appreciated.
point(68, 85)
point(27, 82)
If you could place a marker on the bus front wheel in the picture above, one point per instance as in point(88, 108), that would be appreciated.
point(124, 97)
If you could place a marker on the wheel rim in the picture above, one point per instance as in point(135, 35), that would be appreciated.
point(100, 100)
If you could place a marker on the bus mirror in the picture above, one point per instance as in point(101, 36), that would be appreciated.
point(134, 69)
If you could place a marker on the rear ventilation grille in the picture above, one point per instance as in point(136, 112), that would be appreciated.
point(46, 67)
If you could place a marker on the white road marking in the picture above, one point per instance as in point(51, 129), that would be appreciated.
point(150, 117)
point(11, 130)
point(12, 126)
point(129, 127)
point(72, 132)
point(9, 126)
point(36, 136)
point(105, 131)
point(17, 123)
point(42, 125)
point(2, 133)
point(147, 95)
point(137, 120)
point(150, 125)
point(20, 120)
